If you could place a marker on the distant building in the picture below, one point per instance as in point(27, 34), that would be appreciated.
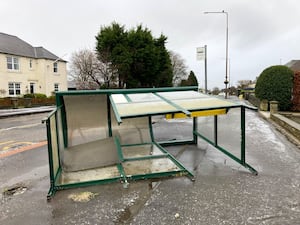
point(72, 85)
point(295, 66)
point(26, 69)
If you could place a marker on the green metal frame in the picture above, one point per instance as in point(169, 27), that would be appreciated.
point(111, 108)
point(242, 160)
point(186, 112)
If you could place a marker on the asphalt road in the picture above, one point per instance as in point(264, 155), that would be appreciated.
point(223, 193)
point(20, 131)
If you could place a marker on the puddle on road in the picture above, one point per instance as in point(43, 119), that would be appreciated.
point(135, 205)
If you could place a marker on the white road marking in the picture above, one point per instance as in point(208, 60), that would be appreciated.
point(20, 127)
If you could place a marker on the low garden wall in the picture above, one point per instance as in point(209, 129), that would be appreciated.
point(253, 100)
point(12, 102)
point(287, 124)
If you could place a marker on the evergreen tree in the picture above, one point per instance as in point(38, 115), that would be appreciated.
point(191, 81)
point(140, 59)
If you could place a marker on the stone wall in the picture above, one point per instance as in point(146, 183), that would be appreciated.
point(296, 92)
point(288, 125)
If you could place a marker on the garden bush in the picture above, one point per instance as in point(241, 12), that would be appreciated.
point(36, 95)
point(275, 84)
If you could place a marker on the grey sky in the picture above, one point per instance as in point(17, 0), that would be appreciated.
point(261, 32)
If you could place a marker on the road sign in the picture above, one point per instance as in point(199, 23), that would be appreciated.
point(200, 53)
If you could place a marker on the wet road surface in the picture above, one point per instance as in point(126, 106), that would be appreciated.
point(21, 131)
point(223, 193)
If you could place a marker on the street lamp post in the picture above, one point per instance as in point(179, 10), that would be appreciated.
point(226, 68)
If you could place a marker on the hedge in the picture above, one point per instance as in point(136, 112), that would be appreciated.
point(275, 84)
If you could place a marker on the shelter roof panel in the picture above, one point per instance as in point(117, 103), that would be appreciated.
point(154, 103)
point(207, 103)
point(143, 97)
point(144, 108)
point(176, 95)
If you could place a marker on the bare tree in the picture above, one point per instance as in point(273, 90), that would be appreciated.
point(179, 68)
point(89, 72)
point(215, 91)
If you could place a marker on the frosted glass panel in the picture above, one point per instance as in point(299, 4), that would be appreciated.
point(86, 118)
point(140, 104)
point(182, 95)
point(145, 108)
point(143, 97)
point(206, 103)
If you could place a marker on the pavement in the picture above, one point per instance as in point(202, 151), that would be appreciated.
point(265, 114)
point(288, 133)
point(25, 111)
point(223, 192)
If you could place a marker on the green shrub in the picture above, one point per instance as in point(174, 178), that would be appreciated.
point(276, 83)
point(28, 96)
point(52, 97)
point(36, 95)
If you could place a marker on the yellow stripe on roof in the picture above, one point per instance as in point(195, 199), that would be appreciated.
point(212, 112)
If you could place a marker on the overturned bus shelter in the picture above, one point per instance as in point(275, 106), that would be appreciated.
point(103, 136)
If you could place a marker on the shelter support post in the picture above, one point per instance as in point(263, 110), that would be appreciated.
point(243, 136)
point(243, 141)
point(195, 127)
point(51, 191)
point(216, 130)
point(242, 159)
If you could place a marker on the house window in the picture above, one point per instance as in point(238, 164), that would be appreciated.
point(55, 68)
point(56, 87)
point(14, 88)
point(31, 88)
point(12, 63)
point(30, 63)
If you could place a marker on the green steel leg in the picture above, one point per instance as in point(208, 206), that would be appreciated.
point(123, 175)
point(243, 142)
point(108, 116)
point(58, 111)
point(195, 128)
point(64, 126)
point(243, 136)
point(51, 191)
point(239, 161)
point(216, 130)
point(190, 174)
point(119, 149)
point(119, 165)
point(150, 128)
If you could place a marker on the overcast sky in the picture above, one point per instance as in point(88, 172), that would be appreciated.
point(261, 32)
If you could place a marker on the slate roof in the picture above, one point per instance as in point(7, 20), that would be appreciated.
point(294, 65)
point(13, 45)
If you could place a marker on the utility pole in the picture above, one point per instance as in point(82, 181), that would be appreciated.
point(226, 67)
point(205, 67)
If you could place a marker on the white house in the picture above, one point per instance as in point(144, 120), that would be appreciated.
point(26, 69)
